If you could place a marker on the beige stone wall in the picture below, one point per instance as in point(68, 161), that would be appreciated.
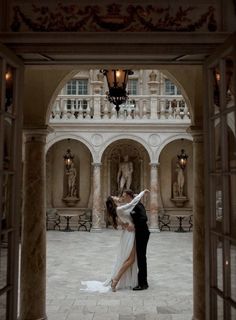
point(55, 175)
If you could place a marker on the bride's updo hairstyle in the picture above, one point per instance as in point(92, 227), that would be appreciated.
point(111, 210)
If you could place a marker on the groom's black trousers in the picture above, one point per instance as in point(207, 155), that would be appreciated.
point(142, 237)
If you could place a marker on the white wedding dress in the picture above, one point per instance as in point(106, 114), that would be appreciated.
point(129, 279)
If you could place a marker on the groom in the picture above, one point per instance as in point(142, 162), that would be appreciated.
point(141, 237)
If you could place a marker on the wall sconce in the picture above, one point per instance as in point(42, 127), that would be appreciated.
point(68, 159)
point(9, 88)
point(8, 75)
point(117, 81)
point(182, 159)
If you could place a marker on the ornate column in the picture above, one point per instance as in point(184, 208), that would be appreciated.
point(198, 225)
point(154, 190)
point(108, 177)
point(33, 244)
point(97, 212)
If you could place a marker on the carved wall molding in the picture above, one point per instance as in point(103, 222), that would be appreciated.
point(115, 17)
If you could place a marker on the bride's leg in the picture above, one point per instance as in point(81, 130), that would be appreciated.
point(128, 262)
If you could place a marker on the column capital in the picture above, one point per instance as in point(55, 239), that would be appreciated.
point(154, 164)
point(37, 133)
point(196, 132)
point(96, 164)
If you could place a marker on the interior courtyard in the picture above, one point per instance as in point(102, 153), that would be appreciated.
point(170, 292)
point(64, 144)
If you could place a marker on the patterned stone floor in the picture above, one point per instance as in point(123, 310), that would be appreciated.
point(76, 256)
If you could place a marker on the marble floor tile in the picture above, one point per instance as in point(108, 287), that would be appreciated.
point(77, 256)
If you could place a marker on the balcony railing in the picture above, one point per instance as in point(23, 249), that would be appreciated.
point(69, 108)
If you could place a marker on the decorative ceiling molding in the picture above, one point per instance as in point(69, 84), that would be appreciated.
point(112, 18)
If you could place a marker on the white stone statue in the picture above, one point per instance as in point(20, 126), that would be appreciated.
point(71, 173)
point(124, 175)
point(180, 180)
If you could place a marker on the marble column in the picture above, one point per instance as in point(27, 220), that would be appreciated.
point(154, 190)
point(97, 212)
point(198, 225)
point(33, 243)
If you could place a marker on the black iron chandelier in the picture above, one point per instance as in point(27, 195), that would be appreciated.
point(117, 81)
point(182, 159)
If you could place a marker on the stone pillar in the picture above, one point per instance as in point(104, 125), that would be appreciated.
point(153, 86)
point(154, 190)
point(97, 86)
point(33, 244)
point(97, 212)
point(159, 197)
point(198, 225)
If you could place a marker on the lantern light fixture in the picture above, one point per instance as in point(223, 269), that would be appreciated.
point(182, 159)
point(68, 159)
point(117, 81)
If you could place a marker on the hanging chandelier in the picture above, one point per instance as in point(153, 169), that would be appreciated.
point(117, 81)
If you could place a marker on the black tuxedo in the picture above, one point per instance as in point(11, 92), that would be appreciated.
point(141, 236)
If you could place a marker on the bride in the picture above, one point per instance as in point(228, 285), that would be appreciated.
point(124, 273)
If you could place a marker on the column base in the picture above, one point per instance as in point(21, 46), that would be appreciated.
point(44, 318)
point(96, 230)
point(154, 229)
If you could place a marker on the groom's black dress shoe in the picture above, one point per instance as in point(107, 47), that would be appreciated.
point(144, 287)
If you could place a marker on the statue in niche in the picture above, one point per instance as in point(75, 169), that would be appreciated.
point(180, 180)
point(124, 175)
point(153, 76)
point(178, 187)
point(71, 189)
point(71, 177)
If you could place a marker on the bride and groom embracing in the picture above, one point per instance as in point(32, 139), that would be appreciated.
point(130, 268)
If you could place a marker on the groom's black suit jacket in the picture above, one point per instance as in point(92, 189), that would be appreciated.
point(141, 237)
point(139, 217)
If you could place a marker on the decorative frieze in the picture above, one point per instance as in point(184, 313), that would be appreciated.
point(56, 16)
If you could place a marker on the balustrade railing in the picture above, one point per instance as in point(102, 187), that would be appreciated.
point(97, 107)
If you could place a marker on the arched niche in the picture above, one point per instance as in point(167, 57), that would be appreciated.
point(168, 173)
point(113, 155)
point(56, 179)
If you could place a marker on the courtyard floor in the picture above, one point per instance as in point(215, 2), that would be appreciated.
point(76, 256)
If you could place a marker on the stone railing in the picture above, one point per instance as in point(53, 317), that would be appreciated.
point(95, 107)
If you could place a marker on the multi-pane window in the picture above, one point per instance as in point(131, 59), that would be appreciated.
point(77, 87)
point(77, 104)
point(71, 87)
point(221, 203)
point(10, 177)
point(133, 86)
point(171, 89)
